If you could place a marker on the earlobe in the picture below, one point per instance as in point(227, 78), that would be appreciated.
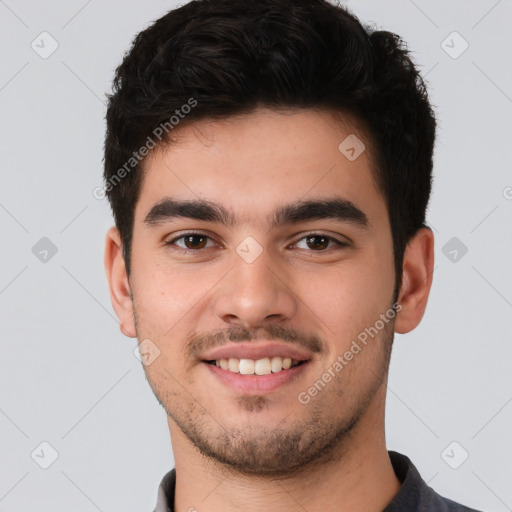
point(418, 266)
point(119, 285)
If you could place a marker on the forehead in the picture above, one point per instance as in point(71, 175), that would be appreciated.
point(253, 162)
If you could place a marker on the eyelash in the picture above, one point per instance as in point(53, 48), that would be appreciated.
point(338, 243)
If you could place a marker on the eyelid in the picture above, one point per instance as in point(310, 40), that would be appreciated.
point(184, 235)
point(341, 241)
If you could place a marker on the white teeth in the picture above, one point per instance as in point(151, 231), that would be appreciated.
point(277, 364)
point(246, 366)
point(263, 366)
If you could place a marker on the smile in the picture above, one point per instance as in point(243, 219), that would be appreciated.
point(250, 382)
point(264, 366)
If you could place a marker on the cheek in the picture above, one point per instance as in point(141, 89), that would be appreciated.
point(167, 295)
point(349, 297)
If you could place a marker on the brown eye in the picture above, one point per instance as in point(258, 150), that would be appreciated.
point(189, 242)
point(317, 241)
point(195, 241)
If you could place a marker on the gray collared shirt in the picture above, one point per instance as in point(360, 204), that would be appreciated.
point(414, 494)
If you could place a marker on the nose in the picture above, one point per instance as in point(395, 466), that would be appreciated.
point(253, 294)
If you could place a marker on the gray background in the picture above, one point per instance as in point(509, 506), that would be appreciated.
point(68, 375)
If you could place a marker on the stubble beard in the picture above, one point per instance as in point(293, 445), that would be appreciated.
point(291, 448)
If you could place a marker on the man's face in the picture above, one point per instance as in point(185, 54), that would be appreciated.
point(261, 283)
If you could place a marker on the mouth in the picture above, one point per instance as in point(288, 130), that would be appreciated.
point(250, 377)
point(264, 366)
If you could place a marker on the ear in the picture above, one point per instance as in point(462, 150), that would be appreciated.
point(418, 267)
point(119, 285)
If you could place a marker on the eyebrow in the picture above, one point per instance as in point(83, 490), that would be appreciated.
point(337, 208)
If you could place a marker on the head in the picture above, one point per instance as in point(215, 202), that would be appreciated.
point(291, 133)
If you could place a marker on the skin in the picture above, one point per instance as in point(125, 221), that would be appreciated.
point(269, 451)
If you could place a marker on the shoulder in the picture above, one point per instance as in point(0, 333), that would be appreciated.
point(414, 494)
point(165, 498)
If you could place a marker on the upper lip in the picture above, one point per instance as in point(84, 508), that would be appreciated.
point(257, 351)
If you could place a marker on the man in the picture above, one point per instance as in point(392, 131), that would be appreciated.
point(269, 167)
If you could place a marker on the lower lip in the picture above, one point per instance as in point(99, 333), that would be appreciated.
point(248, 384)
